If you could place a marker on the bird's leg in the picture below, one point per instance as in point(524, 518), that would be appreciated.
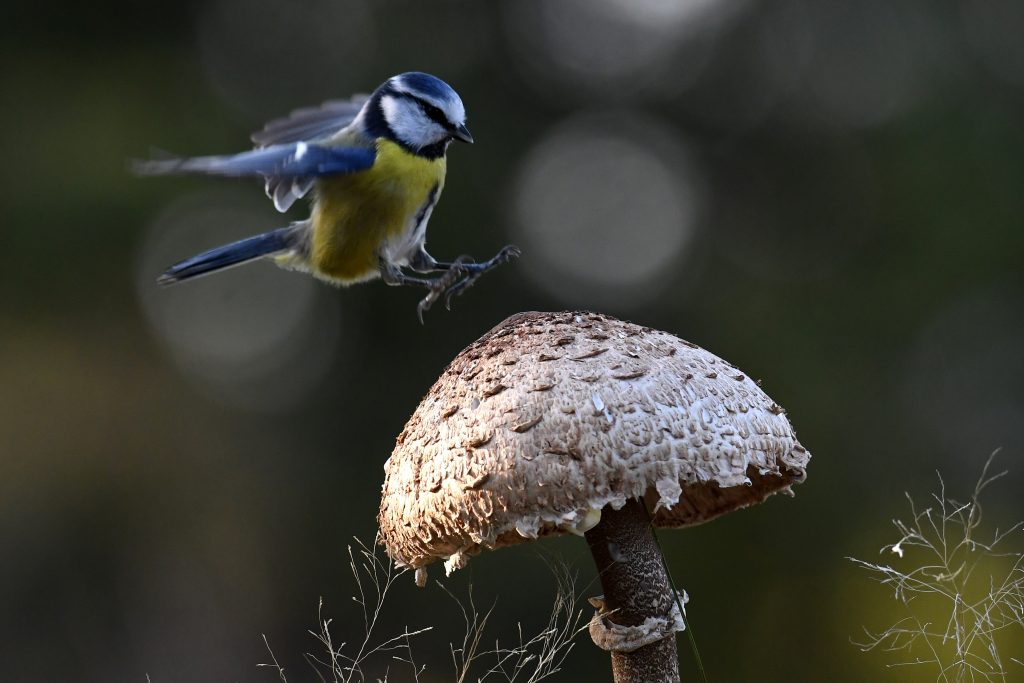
point(393, 275)
point(472, 271)
point(422, 262)
point(459, 275)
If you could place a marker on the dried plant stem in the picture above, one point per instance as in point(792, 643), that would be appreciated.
point(337, 663)
point(530, 659)
point(975, 582)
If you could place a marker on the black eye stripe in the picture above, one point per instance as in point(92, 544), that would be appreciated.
point(434, 114)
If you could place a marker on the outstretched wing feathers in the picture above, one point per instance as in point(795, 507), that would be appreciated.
point(298, 160)
point(310, 123)
point(287, 153)
point(286, 191)
point(307, 124)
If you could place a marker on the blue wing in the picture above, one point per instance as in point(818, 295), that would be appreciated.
point(291, 153)
point(290, 169)
point(304, 125)
point(298, 160)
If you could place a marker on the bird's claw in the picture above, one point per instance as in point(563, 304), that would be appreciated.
point(441, 285)
point(461, 275)
point(507, 253)
point(422, 307)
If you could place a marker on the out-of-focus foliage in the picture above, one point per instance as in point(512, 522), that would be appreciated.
point(826, 194)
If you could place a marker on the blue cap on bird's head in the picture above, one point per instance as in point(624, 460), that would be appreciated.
point(428, 87)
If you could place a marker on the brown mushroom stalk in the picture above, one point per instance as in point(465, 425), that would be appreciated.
point(556, 423)
point(637, 592)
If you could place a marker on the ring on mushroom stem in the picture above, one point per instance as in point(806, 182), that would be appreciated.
point(555, 423)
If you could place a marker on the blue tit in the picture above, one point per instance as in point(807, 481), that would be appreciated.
point(375, 166)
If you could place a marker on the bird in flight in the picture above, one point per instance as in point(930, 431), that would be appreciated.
point(375, 166)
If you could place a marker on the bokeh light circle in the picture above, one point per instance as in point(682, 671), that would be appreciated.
point(255, 337)
point(604, 207)
point(615, 48)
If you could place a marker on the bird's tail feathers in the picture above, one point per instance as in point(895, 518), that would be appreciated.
point(234, 254)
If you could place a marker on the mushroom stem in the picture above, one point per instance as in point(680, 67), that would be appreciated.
point(636, 588)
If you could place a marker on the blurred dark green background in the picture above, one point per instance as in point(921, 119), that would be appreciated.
point(829, 195)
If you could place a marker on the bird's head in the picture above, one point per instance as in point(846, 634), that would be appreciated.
point(420, 112)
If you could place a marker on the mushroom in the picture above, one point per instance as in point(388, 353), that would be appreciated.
point(579, 423)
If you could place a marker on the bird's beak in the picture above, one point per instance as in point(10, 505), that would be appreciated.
point(462, 133)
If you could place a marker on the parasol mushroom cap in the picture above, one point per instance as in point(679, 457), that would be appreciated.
point(549, 417)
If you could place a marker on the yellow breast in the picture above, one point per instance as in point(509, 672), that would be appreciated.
point(355, 215)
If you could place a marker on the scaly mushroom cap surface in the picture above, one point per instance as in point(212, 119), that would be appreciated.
point(549, 417)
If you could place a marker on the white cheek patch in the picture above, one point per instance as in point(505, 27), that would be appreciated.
point(409, 123)
point(389, 105)
point(456, 111)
